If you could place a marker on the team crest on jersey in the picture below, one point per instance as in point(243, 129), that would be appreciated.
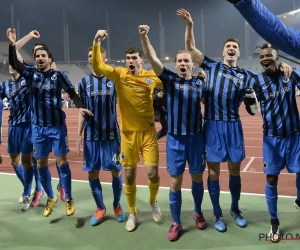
point(53, 78)
point(285, 79)
point(148, 81)
point(109, 84)
point(123, 156)
point(239, 75)
point(198, 82)
point(265, 164)
point(37, 77)
point(23, 83)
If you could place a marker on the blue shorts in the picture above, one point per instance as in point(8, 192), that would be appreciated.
point(182, 149)
point(104, 153)
point(19, 139)
point(281, 152)
point(46, 137)
point(223, 141)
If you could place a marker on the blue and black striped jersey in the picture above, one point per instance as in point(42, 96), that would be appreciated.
point(183, 99)
point(17, 94)
point(225, 90)
point(45, 95)
point(277, 98)
point(99, 96)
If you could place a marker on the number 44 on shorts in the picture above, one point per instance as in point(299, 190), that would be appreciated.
point(116, 158)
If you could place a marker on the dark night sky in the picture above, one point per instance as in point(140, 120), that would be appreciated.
point(85, 17)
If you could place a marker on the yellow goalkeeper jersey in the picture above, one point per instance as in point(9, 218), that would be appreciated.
point(134, 93)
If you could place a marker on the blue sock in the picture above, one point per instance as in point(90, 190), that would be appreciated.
point(45, 178)
point(20, 173)
point(59, 178)
point(175, 205)
point(271, 197)
point(38, 185)
point(298, 187)
point(66, 179)
point(117, 190)
point(97, 193)
point(214, 193)
point(197, 192)
point(28, 176)
point(235, 190)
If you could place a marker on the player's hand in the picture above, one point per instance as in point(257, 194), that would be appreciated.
point(143, 30)
point(34, 34)
point(286, 69)
point(186, 16)
point(250, 101)
point(78, 144)
point(85, 112)
point(11, 36)
point(100, 35)
point(160, 94)
point(201, 74)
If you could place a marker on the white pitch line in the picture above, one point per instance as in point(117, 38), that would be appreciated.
point(248, 164)
point(167, 188)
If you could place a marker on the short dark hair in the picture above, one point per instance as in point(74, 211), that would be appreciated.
point(133, 50)
point(102, 50)
point(43, 45)
point(268, 45)
point(232, 39)
point(45, 49)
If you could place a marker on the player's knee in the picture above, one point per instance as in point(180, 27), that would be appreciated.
point(61, 160)
point(197, 177)
point(116, 173)
point(152, 173)
point(129, 174)
point(272, 179)
point(213, 174)
point(93, 175)
point(234, 171)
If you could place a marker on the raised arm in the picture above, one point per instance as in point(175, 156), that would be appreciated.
point(12, 54)
point(20, 43)
point(97, 59)
point(198, 56)
point(269, 26)
point(149, 50)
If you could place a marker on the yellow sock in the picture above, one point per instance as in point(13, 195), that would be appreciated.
point(130, 192)
point(153, 187)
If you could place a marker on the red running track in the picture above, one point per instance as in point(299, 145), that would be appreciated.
point(253, 178)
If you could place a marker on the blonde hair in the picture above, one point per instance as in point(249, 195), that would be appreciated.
point(184, 51)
